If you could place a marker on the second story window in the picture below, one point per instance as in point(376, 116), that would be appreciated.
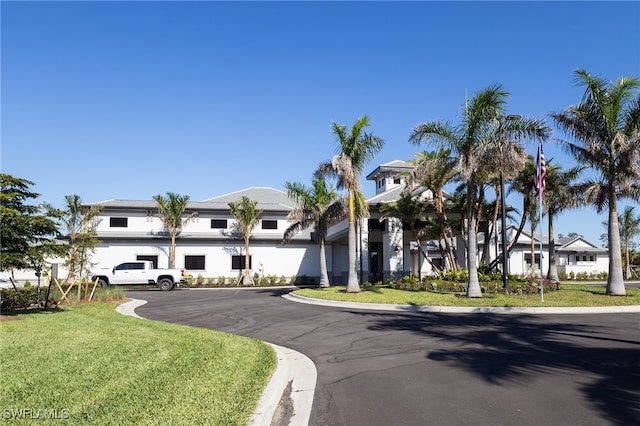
point(118, 222)
point(269, 224)
point(219, 223)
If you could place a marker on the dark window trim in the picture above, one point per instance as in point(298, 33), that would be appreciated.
point(217, 223)
point(269, 224)
point(238, 262)
point(189, 259)
point(118, 222)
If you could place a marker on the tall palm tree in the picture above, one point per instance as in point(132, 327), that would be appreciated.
point(355, 149)
point(605, 132)
point(435, 170)
point(629, 228)
point(474, 141)
point(247, 218)
point(320, 207)
point(170, 211)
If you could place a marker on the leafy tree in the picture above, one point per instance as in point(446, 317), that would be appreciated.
point(475, 142)
point(247, 217)
point(79, 222)
point(605, 132)
point(355, 149)
point(320, 207)
point(28, 232)
point(170, 211)
point(629, 229)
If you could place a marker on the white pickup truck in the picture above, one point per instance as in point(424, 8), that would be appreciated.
point(140, 272)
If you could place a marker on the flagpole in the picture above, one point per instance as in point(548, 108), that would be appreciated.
point(540, 191)
point(541, 279)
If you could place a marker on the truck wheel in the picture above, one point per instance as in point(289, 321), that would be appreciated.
point(165, 284)
point(103, 283)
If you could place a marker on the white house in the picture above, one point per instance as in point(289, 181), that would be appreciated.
point(209, 246)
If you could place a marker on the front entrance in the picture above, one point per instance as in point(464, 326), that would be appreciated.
point(375, 262)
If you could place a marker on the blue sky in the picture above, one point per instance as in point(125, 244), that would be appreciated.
point(131, 99)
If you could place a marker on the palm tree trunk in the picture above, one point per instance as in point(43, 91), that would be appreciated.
point(441, 215)
point(473, 285)
point(324, 276)
point(172, 263)
point(352, 283)
point(246, 276)
point(552, 274)
point(615, 282)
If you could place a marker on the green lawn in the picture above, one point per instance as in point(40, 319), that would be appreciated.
point(93, 365)
point(569, 295)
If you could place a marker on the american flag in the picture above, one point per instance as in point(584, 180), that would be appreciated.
point(539, 184)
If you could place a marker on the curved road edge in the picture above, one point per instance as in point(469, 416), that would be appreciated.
point(293, 368)
point(465, 309)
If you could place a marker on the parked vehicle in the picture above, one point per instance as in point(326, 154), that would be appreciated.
point(140, 272)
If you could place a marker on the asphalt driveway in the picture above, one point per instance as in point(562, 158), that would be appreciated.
point(381, 368)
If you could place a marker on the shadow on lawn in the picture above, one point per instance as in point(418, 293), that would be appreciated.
point(508, 347)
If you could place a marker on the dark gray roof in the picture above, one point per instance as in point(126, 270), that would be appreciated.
point(391, 166)
point(269, 199)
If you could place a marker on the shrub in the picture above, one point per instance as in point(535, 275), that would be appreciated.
point(222, 281)
point(25, 297)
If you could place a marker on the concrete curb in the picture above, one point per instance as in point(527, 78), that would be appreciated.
point(293, 367)
point(464, 309)
point(297, 369)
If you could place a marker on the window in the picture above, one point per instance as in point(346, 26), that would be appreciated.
point(269, 224)
point(129, 266)
point(151, 258)
point(376, 225)
point(194, 262)
point(592, 258)
point(118, 222)
point(397, 181)
point(238, 262)
point(527, 260)
point(219, 223)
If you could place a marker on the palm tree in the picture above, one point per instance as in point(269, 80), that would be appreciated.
point(605, 132)
point(629, 228)
point(558, 197)
point(247, 217)
point(434, 170)
point(170, 211)
point(319, 207)
point(79, 222)
point(484, 127)
point(355, 149)
point(411, 210)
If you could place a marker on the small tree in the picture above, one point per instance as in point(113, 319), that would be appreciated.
point(80, 225)
point(170, 211)
point(28, 232)
point(629, 229)
point(247, 217)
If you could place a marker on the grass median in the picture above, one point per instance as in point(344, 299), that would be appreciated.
point(90, 364)
point(572, 295)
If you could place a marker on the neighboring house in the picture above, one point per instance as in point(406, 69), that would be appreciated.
point(573, 255)
point(209, 246)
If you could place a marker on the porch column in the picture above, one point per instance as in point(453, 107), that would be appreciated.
point(362, 249)
point(392, 241)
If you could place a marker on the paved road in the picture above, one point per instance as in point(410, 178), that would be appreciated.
point(380, 368)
